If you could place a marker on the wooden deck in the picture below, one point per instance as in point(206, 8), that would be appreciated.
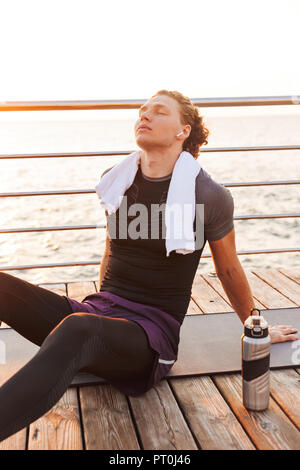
point(190, 413)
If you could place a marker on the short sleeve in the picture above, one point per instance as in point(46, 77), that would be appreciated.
point(219, 207)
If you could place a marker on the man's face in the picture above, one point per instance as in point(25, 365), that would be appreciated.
point(161, 117)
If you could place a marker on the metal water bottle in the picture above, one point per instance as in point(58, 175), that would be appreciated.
point(256, 349)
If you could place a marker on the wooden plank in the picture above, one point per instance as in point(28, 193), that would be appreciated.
point(281, 283)
point(193, 308)
point(15, 442)
point(291, 273)
point(210, 418)
point(96, 286)
point(56, 287)
point(79, 290)
point(106, 419)
point(285, 389)
point(216, 284)
point(59, 428)
point(159, 421)
point(265, 294)
point(270, 429)
point(207, 298)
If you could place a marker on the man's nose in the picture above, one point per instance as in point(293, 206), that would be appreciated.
point(145, 115)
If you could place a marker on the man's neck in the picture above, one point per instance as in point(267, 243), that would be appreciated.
point(156, 163)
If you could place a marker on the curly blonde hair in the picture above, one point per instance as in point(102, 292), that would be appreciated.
point(189, 114)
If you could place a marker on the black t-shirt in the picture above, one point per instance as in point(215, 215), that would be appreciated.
point(138, 269)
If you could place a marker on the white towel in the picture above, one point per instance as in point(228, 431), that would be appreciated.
point(180, 204)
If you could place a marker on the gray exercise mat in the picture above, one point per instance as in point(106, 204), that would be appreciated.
point(209, 344)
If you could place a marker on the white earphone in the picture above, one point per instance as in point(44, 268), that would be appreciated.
point(179, 134)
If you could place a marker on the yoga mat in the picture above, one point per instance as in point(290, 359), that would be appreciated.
point(209, 344)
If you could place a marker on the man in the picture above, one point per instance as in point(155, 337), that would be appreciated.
point(169, 123)
point(128, 333)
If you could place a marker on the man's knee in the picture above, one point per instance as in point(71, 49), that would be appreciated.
point(80, 325)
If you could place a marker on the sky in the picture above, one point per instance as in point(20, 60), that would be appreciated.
point(122, 49)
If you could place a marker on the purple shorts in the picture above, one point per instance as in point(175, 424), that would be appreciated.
point(161, 329)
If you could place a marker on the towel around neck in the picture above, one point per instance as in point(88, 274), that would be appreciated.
point(180, 204)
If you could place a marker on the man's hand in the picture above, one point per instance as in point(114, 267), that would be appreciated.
point(281, 333)
point(237, 288)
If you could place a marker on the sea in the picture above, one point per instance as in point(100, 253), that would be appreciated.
point(94, 131)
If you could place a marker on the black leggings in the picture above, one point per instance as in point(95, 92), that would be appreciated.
point(112, 348)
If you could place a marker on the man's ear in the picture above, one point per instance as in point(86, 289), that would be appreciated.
point(187, 130)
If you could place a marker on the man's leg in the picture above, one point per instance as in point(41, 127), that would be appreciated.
point(30, 310)
point(112, 348)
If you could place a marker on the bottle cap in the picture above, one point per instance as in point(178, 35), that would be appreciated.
point(256, 326)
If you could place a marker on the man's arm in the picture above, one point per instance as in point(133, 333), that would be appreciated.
point(105, 258)
point(236, 286)
point(232, 275)
point(107, 251)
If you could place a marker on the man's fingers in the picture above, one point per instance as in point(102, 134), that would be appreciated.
point(290, 338)
point(283, 326)
point(284, 338)
point(286, 328)
point(282, 333)
point(289, 331)
point(290, 328)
